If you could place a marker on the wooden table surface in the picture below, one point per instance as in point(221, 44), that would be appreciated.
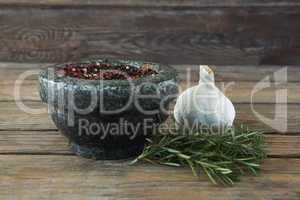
point(36, 163)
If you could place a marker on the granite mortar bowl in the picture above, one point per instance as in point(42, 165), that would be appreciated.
point(108, 119)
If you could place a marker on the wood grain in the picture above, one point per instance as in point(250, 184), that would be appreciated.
point(53, 143)
point(156, 3)
point(283, 146)
point(241, 73)
point(240, 81)
point(223, 73)
point(238, 92)
point(36, 162)
point(13, 118)
point(33, 142)
point(70, 177)
point(171, 34)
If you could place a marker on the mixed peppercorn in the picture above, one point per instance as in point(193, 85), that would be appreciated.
point(105, 71)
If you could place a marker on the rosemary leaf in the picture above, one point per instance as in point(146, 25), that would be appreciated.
point(224, 158)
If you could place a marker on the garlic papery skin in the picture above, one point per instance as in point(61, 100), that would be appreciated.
point(204, 105)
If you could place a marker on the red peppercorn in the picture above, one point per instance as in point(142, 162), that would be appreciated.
point(98, 71)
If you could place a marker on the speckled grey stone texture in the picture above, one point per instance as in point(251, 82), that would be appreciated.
point(63, 93)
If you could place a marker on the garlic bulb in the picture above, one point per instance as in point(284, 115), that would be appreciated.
point(204, 104)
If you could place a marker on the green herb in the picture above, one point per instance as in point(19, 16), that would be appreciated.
point(224, 158)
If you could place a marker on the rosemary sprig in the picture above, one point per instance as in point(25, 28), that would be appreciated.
point(223, 157)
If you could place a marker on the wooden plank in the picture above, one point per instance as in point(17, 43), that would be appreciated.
point(53, 143)
point(176, 35)
point(70, 177)
point(245, 115)
point(145, 3)
point(240, 81)
point(229, 73)
point(283, 146)
point(33, 142)
point(223, 73)
point(13, 118)
point(238, 92)
point(241, 92)
point(28, 90)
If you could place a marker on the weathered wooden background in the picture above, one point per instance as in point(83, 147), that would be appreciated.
point(169, 31)
point(236, 35)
